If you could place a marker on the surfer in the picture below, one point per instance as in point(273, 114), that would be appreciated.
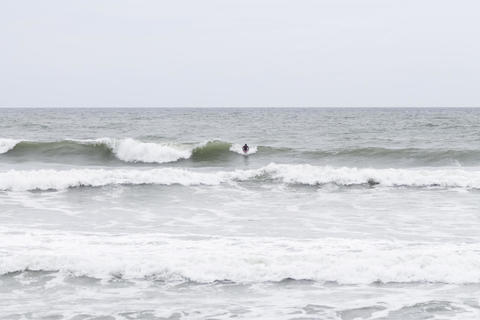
point(245, 148)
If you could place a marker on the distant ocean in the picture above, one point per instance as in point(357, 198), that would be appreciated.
point(157, 214)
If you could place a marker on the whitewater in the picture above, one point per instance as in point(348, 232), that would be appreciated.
point(48, 179)
point(158, 214)
point(127, 150)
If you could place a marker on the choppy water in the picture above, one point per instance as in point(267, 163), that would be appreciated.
point(157, 214)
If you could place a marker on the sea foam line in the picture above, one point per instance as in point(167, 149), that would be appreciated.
point(47, 179)
point(239, 259)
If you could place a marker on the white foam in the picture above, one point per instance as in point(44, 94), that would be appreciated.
point(131, 150)
point(240, 259)
point(7, 144)
point(313, 175)
point(21, 180)
point(238, 149)
point(47, 179)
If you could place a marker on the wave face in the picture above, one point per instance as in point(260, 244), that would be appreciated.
point(126, 150)
point(47, 179)
point(405, 156)
point(243, 260)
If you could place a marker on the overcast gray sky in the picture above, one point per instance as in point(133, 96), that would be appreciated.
point(239, 53)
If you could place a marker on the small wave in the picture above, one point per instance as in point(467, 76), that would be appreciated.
point(108, 149)
point(67, 150)
point(243, 260)
point(405, 156)
point(46, 179)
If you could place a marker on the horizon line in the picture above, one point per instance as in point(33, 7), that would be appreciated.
point(237, 107)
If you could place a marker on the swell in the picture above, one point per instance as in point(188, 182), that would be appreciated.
point(47, 179)
point(106, 150)
point(405, 156)
point(128, 150)
point(173, 258)
point(58, 150)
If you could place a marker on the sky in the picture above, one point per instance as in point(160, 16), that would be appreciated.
point(240, 53)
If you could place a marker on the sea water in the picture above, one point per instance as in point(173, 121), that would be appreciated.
point(158, 214)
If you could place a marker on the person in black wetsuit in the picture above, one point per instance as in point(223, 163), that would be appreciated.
point(245, 148)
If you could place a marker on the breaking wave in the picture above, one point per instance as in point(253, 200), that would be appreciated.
point(239, 259)
point(47, 179)
point(127, 150)
point(7, 144)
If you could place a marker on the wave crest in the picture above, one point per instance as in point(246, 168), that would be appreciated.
point(126, 150)
point(45, 179)
point(131, 150)
point(106, 150)
point(318, 175)
point(7, 144)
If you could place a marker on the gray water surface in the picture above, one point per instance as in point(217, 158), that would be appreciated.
point(157, 214)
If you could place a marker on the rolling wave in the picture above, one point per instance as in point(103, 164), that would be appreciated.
point(47, 179)
point(243, 260)
point(126, 150)
point(7, 144)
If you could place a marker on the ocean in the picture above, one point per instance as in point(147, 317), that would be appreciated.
point(156, 213)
